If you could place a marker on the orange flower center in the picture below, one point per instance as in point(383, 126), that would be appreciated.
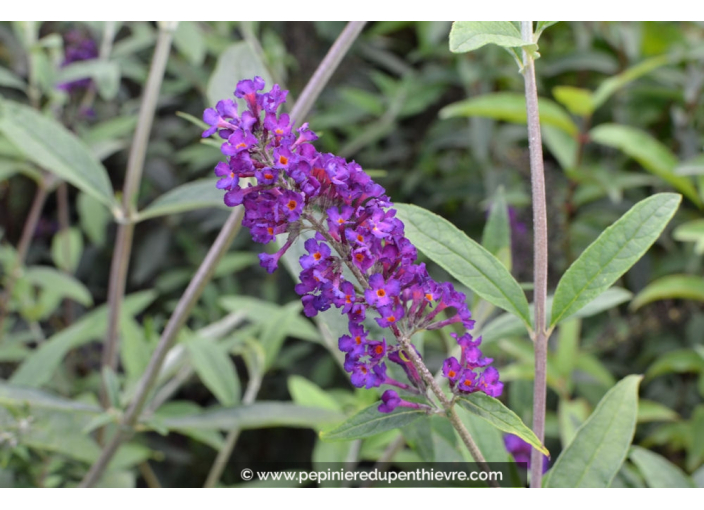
point(381, 293)
point(283, 160)
point(452, 373)
point(291, 204)
point(268, 176)
point(317, 255)
point(241, 145)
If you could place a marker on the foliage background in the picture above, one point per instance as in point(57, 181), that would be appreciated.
point(387, 108)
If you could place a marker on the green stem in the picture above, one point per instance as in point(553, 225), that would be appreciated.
point(133, 178)
point(540, 254)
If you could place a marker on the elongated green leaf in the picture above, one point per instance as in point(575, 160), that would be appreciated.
point(370, 422)
point(611, 85)
point(657, 470)
point(12, 395)
point(464, 259)
point(489, 439)
point(213, 365)
point(275, 331)
point(649, 411)
point(676, 286)
point(187, 197)
point(510, 107)
point(256, 416)
point(469, 35)
point(62, 284)
point(600, 446)
point(678, 362)
point(612, 254)
point(497, 231)
point(238, 62)
point(655, 157)
point(39, 367)
point(51, 146)
point(501, 417)
point(308, 394)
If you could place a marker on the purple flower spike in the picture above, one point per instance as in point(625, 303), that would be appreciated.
point(286, 186)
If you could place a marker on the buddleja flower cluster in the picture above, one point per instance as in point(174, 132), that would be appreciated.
point(286, 186)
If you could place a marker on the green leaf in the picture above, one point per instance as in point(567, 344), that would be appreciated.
point(187, 197)
point(67, 248)
point(94, 218)
point(653, 156)
point(650, 411)
point(679, 362)
point(657, 470)
point(59, 283)
point(612, 254)
point(464, 259)
point(576, 100)
point(611, 85)
point(600, 446)
point(238, 62)
point(189, 41)
point(51, 146)
point(308, 394)
point(105, 74)
point(469, 35)
point(510, 107)
point(419, 436)
point(497, 231)
point(370, 422)
point(691, 231)
point(255, 416)
point(11, 80)
point(676, 286)
point(213, 365)
point(12, 395)
point(501, 417)
point(38, 369)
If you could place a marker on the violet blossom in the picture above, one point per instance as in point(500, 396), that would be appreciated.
point(286, 186)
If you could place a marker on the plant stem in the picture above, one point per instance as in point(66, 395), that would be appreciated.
point(540, 254)
point(193, 292)
point(135, 165)
point(218, 467)
point(328, 66)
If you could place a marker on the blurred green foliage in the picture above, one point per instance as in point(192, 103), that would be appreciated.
point(622, 119)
